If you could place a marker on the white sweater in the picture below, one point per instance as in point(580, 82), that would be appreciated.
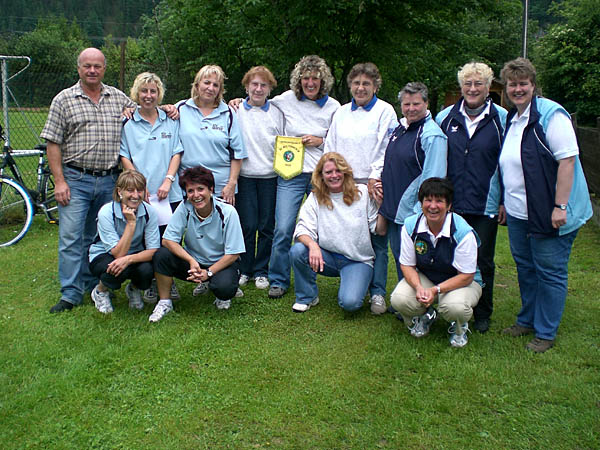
point(362, 136)
point(306, 117)
point(343, 229)
point(259, 128)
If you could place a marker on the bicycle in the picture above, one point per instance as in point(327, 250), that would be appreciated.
point(18, 204)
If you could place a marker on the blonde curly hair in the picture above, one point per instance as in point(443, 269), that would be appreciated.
point(311, 64)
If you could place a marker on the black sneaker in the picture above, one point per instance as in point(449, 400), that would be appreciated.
point(482, 325)
point(61, 306)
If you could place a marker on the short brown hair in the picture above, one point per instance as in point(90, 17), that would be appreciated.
point(198, 174)
point(129, 179)
point(369, 69)
point(261, 71)
point(518, 69)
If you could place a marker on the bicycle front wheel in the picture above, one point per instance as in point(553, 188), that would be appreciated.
point(16, 212)
point(49, 204)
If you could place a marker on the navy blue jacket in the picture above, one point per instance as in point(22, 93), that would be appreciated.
point(540, 171)
point(473, 162)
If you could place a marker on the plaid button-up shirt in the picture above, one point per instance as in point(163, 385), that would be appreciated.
point(89, 134)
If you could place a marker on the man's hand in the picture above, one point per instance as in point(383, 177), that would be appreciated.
point(172, 112)
point(62, 193)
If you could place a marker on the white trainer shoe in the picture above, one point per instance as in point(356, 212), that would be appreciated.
point(135, 297)
point(378, 304)
point(102, 301)
point(200, 289)
point(244, 280)
point(222, 304)
point(162, 308)
point(303, 307)
point(261, 282)
point(239, 293)
point(458, 334)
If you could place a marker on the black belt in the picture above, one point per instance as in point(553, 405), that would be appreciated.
point(95, 172)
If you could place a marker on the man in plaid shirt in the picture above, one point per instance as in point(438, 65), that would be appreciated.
point(83, 132)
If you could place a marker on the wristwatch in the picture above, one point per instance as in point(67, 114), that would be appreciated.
point(170, 177)
point(439, 289)
point(562, 206)
point(209, 274)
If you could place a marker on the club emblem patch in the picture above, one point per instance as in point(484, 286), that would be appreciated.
point(288, 156)
point(421, 247)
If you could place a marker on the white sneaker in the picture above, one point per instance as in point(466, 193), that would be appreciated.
point(239, 293)
point(200, 289)
point(303, 307)
point(261, 283)
point(244, 280)
point(135, 297)
point(102, 301)
point(222, 304)
point(162, 308)
point(151, 294)
point(458, 334)
point(174, 292)
point(378, 304)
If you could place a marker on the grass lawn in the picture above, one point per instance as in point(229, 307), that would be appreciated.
point(260, 376)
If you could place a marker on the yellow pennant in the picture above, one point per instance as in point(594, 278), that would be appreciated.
point(288, 159)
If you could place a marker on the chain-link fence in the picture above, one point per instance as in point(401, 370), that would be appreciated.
point(27, 90)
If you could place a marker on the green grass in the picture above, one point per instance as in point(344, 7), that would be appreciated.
point(260, 376)
point(25, 126)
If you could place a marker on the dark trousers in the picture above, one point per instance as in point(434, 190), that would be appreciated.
point(486, 228)
point(255, 204)
point(140, 274)
point(223, 284)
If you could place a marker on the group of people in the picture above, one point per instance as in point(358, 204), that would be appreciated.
point(199, 179)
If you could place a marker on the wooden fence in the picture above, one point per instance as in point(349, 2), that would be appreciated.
point(589, 152)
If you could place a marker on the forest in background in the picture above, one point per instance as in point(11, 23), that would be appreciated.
point(409, 40)
point(97, 18)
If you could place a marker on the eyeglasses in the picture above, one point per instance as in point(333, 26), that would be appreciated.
point(476, 84)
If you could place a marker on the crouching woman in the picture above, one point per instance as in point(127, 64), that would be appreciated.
point(126, 241)
point(212, 243)
point(333, 236)
point(438, 258)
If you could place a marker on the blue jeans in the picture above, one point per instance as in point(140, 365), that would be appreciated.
point(289, 198)
point(380, 268)
point(542, 270)
point(393, 234)
point(355, 277)
point(77, 230)
point(255, 203)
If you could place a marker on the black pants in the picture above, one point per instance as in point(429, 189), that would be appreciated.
point(140, 274)
point(223, 284)
point(486, 228)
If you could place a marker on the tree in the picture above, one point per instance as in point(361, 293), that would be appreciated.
point(568, 59)
point(53, 48)
point(409, 41)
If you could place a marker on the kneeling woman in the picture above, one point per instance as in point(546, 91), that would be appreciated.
point(333, 236)
point(125, 244)
point(212, 244)
point(438, 258)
